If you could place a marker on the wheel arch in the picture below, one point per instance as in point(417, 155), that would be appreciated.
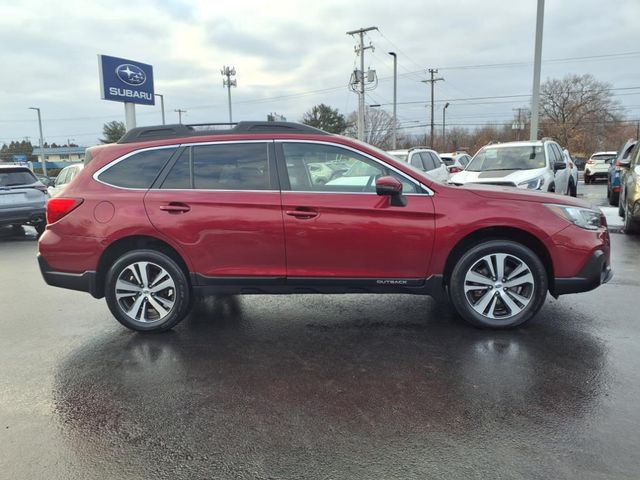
point(500, 233)
point(127, 244)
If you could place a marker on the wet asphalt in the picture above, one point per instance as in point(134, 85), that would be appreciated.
point(319, 387)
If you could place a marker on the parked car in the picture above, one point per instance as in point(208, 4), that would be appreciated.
point(22, 198)
point(615, 171)
point(538, 165)
point(572, 168)
point(425, 160)
point(171, 211)
point(629, 203)
point(455, 162)
point(45, 180)
point(598, 166)
point(64, 178)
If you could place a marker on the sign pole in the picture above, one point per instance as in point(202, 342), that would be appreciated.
point(130, 115)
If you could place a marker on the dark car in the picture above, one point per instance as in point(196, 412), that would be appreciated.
point(22, 198)
point(173, 211)
point(615, 171)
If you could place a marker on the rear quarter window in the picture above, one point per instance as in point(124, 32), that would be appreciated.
point(138, 170)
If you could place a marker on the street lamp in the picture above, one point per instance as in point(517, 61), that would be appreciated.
point(395, 83)
point(444, 132)
point(161, 105)
point(42, 157)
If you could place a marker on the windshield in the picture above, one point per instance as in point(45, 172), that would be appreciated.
point(524, 157)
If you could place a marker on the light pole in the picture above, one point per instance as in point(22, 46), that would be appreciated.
point(395, 91)
point(444, 132)
point(537, 61)
point(42, 157)
point(161, 105)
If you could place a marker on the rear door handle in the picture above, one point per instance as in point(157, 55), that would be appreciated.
point(175, 207)
point(302, 214)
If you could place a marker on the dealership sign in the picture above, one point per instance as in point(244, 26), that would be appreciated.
point(125, 80)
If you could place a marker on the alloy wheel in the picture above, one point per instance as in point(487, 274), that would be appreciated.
point(145, 292)
point(499, 286)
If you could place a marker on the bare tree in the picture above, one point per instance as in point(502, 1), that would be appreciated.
point(378, 127)
point(578, 111)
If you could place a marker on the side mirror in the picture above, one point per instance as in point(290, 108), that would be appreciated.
point(624, 163)
point(392, 187)
point(559, 166)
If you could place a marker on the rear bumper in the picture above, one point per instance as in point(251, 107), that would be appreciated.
point(21, 216)
point(594, 273)
point(84, 282)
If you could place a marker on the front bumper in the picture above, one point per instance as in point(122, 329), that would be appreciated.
point(594, 273)
point(84, 282)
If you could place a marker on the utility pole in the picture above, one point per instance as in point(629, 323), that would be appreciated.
point(395, 92)
point(519, 123)
point(537, 62)
point(43, 159)
point(360, 76)
point(229, 82)
point(432, 81)
point(444, 131)
point(180, 112)
point(637, 130)
point(161, 105)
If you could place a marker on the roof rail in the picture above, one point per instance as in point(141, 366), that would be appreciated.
point(160, 132)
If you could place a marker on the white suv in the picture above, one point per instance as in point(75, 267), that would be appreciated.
point(598, 166)
point(426, 160)
point(538, 165)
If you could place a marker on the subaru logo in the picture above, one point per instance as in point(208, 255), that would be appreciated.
point(131, 74)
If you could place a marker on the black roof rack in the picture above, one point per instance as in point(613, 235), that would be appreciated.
point(160, 132)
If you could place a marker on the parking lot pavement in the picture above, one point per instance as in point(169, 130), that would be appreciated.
point(357, 387)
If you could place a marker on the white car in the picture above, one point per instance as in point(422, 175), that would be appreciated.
point(455, 162)
point(426, 160)
point(598, 166)
point(64, 177)
point(538, 165)
point(572, 168)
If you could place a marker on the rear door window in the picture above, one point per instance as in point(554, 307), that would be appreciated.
point(232, 166)
point(138, 170)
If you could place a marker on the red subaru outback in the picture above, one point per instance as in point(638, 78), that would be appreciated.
point(171, 211)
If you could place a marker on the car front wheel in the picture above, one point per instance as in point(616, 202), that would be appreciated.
point(147, 291)
point(498, 284)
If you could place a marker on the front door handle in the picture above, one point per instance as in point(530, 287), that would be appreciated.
point(302, 213)
point(175, 207)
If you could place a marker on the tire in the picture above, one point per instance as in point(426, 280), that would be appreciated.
point(573, 188)
point(631, 226)
point(586, 179)
point(40, 228)
point(17, 230)
point(502, 308)
point(614, 198)
point(138, 306)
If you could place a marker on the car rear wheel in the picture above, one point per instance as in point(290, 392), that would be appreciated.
point(147, 291)
point(498, 284)
point(630, 225)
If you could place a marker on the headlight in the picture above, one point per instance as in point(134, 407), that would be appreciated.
point(586, 218)
point(534, 184)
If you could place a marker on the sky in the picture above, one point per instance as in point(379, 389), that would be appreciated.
point(292, 55)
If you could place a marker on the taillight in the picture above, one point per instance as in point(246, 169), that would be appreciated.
point(60, 207)
point(454, 169)
point(590, 162)
point(42, 188)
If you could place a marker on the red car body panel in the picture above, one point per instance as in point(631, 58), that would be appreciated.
point(245, 234)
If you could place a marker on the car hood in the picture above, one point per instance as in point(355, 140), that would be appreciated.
point(517, 194)
point(500, 177)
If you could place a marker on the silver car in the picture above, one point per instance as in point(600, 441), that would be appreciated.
point(22, 198)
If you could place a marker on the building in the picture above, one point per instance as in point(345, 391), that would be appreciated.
point(60, 154)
